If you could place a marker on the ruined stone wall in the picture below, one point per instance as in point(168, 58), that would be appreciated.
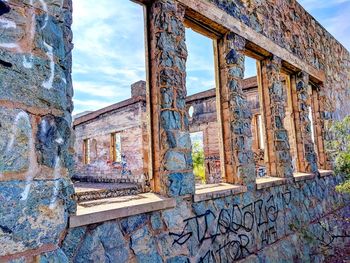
point(35, 125)
point(297, 221)
point(204, 120)
point(300, 222)
point(128, 122)
point(288, 24)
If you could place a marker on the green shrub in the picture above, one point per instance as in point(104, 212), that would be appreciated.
point(198, 161)
point(339, 150)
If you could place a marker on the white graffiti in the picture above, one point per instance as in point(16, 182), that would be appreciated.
point(48, 83)
point(56, 174)
point(33, 165)
point(43, 4)
point(4, 23)
point(10, 46)
point(28, 61)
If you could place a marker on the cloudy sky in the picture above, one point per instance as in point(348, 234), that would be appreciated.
point(108, 52)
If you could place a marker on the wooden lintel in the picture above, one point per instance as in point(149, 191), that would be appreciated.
point(220, 21)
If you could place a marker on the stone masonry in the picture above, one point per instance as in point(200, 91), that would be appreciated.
point(289, 218)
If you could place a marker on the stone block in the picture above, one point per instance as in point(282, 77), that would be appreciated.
point(181, 184)
point(170, 120)
point(130, 224)
point(175, 161)
point(16, 140)
point(33, 215)
point(104, 242)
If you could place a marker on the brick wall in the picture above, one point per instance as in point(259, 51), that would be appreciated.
point(128, 121)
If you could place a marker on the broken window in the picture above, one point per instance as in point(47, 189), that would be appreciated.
point(288, 122)
point(109, 79)
point(86, 150)
point(116, 148)
point(251, 90)
point(201, 103)
point(198, 157)
point(314, 116)
point(260, 132)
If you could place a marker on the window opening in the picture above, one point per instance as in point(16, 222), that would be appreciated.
point(116, 147)
point(86, 149)
point(251, 90)
point(288, 121)
point(201, 103)
point(109, 73)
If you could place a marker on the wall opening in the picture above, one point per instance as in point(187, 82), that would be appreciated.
point(198, 157)
point(251, 89)
point(201, 103)
point(288, 122)
point(110, 100)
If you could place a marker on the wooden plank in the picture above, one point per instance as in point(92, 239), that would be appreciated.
point(219, 19)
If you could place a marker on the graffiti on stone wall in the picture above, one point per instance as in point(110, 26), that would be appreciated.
point(27, 56)
point(227, 235)
point(213, 169)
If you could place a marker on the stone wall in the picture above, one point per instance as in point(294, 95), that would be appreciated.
point(36, 143)
point(302, 222)
point(287, 24)
point(296, 221)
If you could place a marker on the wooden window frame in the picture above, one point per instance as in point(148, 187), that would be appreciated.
point(113, 149)
point(192, 23)
point(86, 151)
point(260, 132)
point(317, 126)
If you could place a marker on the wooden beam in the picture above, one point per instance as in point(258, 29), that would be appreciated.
point(219, 21)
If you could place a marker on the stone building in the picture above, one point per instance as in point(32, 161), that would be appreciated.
point(111, 143)
point(292, 215)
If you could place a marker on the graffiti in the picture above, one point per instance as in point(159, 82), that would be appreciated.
point(261, 171)
point(213, 169)
point(226, 235)
point(27, 55)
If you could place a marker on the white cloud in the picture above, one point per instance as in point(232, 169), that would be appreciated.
point(108, 54)
point(339, 26)
point(97, 89)
point(89, 105)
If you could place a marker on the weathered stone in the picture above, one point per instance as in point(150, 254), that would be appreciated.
point(175, 161)
point(72, 241)
point(57, 256)
point(156, 221)
point(106, 241)
point(16, 140)
point(181, 184)
point(32, 215)
point(130, 224)
point(170, 120)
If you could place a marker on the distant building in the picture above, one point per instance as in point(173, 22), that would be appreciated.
point(111, 143)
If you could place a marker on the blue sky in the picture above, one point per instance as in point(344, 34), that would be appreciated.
point(108, 52)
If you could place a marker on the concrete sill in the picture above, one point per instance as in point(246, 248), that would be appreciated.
point(213, 191)
point(113, 208)
point(324, 173)
point(268, 181)
point(303, 176)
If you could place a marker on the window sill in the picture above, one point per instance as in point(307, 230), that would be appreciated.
point(303, 176)
point(325, 173)
point(208, 192)
point(268, 181)
point(112, 208)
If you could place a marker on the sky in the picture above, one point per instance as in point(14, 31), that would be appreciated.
point(108, 54)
